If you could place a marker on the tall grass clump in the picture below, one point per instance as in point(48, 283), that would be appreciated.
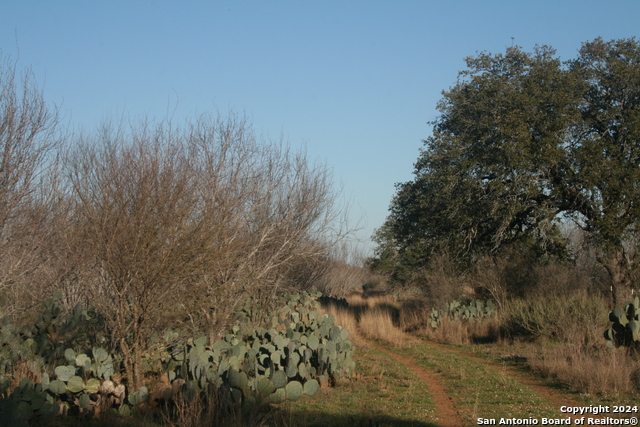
point(566, 343)
point(372, 315)
point(459, 332)
point(577, 318)
point(378, 323)
point(591, 372)
point(415, 318)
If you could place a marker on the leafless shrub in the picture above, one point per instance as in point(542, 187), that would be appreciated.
point(184, 224)
point(340, 277)
point(29, 134)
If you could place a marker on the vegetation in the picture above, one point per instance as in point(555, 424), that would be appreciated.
point(525, 195)
point(251, 367)
point(624, 331)
point(523, 144)
point(154, 239)
point(184, 262)
point(476, 309)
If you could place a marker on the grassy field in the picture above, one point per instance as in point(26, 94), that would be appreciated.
point(384, 393)
point(411, 380)
point(387, 393)
point(480, 381)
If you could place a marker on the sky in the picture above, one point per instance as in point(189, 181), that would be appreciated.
point(354, 83)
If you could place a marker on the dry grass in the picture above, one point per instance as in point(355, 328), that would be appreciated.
point(553, 316)
point(370, 300)
point(378, 323)
point(458, 332)
point(378, 316)
point(25, 369)
point(415, 318)
point(585, 371)
point(560, 336)
point(213, 409)
point(372, 315)
point(414, 315)
point(568, 345)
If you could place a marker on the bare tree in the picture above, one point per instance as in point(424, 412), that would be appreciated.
point(283, 216)
point(29, 134)
point(186, 223)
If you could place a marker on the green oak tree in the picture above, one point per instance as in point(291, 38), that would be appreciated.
point(524, 141)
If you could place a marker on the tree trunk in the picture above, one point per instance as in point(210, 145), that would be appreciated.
point(128, 363)
point(619, 268)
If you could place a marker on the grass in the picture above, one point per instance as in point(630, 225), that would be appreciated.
point(559, 338)
point(385, 393)
point(377, 323)
point(575, 362)
point(374, 317)
point(480, 391)
point(570, 363)
point(461, 333)
point(602, 378)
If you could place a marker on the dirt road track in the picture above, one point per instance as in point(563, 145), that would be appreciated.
point(533, 383)
point(446, 412)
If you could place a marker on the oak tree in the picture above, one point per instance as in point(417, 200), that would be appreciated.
point(523, 142)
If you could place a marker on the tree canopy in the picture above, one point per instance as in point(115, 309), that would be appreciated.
point(523, 142)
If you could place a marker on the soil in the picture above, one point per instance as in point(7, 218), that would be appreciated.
point(446, 412)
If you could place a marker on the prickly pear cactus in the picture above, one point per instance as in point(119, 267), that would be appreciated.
point(625, 331)
point(474, 310)
point(291, 355)
point(61, 351)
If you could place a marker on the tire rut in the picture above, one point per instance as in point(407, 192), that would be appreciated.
point(446, 414)
point(445, 411)
point(535, 384)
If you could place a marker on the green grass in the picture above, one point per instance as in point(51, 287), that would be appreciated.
point(479, 391)
point(385, 394)
point(515, 357)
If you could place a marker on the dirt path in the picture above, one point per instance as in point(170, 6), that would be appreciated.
point(535, 384)
point(445, 411)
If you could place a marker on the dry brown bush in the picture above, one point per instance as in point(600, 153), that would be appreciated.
point(30, 132)
point(340, 277)
point(184, 224)
point(440, 282)
point(576, 319)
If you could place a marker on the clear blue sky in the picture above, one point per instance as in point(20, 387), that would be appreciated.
point(354, 81)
